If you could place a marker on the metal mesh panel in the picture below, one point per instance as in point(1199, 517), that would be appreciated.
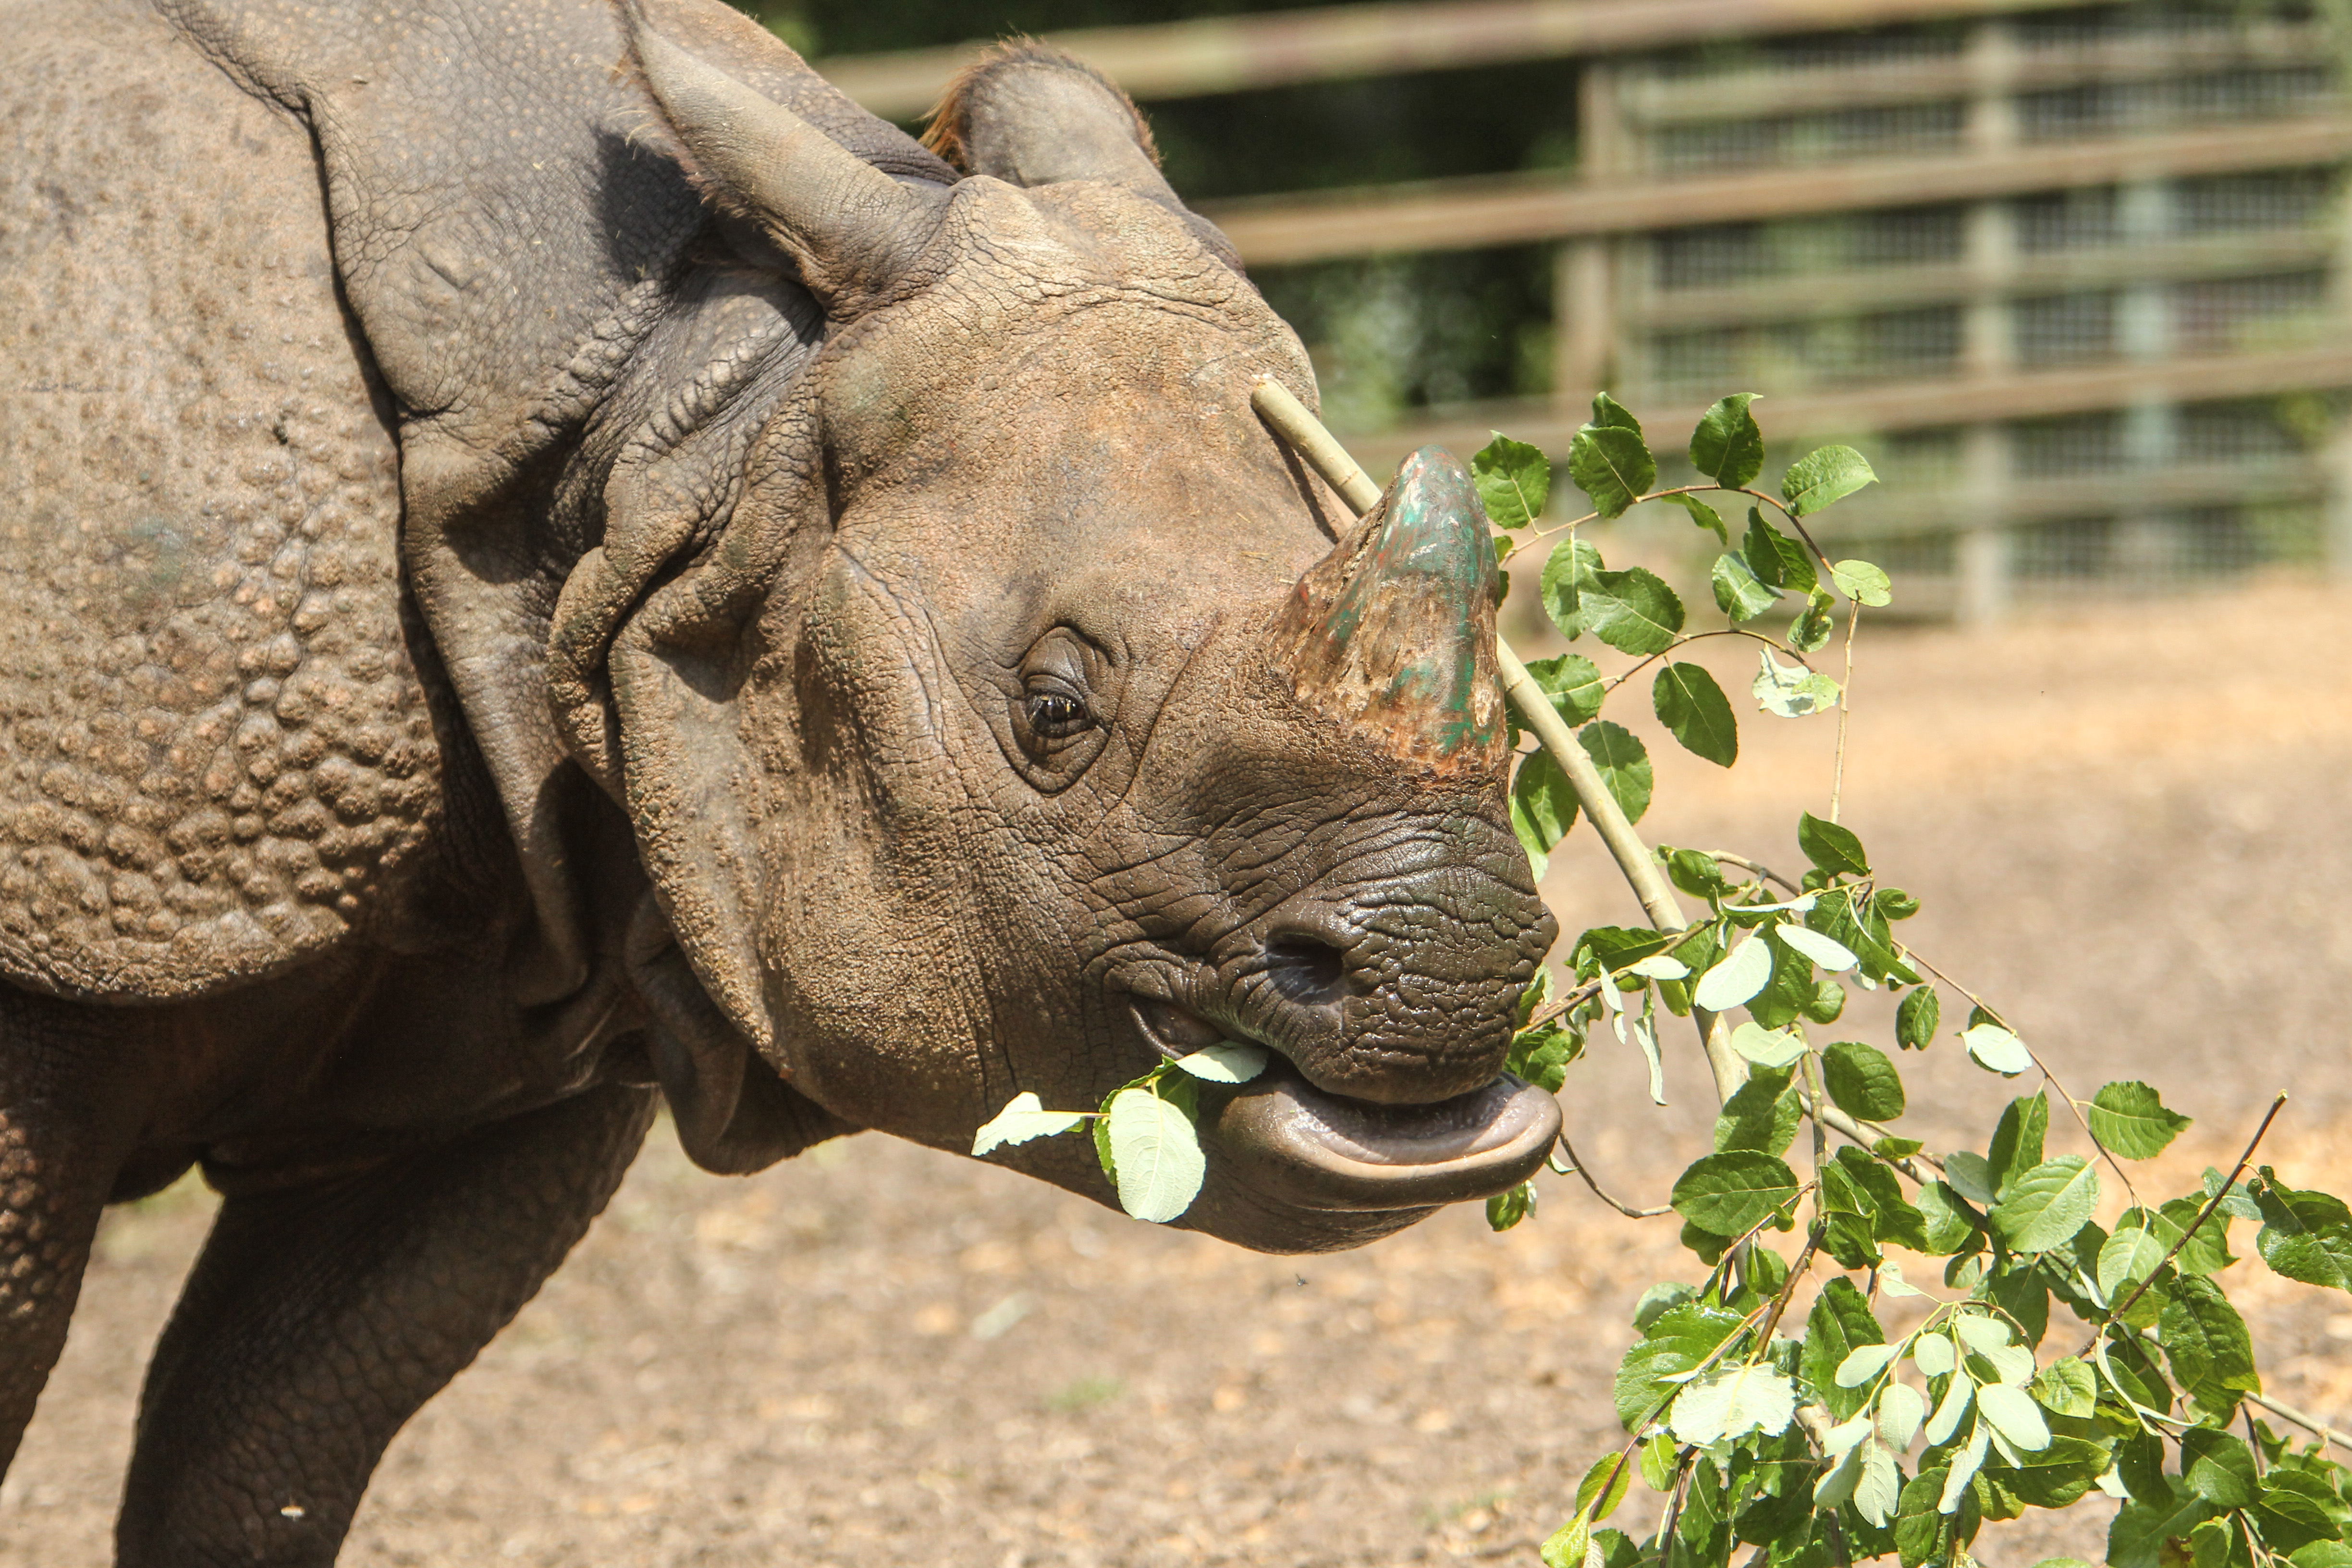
point(2110, 108)
point(2285, 198)
point(2066, 329)
point(2072, 444)
point(2067, 220)
point(2219, 314)
point(1894, 130)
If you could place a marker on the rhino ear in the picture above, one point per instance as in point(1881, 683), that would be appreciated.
point(850, 227)
point(1030, 115)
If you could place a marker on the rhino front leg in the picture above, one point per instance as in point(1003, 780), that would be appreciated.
point(65, 1116)
point(317, 1321)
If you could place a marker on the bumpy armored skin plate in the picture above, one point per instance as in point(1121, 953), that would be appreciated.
point(212, 743)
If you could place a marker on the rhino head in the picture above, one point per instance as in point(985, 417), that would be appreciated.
point(1031, 715)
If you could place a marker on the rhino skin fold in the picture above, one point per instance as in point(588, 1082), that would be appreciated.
point(550, 563)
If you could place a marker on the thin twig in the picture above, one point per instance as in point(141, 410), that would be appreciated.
point(2327, 1435)
point(2075, 1105)
point(1751, 867)
point(1864, 1135)
point(1561, 1004)
point(1611, 683)
point(1577, 1161)
point(2115, 1314)
point(1845, 703)
point(1788, 1286)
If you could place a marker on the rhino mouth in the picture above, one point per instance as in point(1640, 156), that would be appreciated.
point(1310, 1148)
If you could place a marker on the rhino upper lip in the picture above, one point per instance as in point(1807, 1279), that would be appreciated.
point(1320, 1150)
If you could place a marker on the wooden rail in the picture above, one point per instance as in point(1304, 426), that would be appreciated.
point(1521, 209)
point(1231, 54)
point(1913, 406)
point(1756, 94)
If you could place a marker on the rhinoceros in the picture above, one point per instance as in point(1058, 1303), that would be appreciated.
point(550, 563)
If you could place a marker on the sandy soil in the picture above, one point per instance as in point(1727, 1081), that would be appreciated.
point(2128, 828)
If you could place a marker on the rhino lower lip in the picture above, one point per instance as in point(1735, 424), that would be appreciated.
point(1310, 1147)
point(1321, 1151)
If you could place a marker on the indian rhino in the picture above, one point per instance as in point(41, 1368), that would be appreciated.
point(549, 561)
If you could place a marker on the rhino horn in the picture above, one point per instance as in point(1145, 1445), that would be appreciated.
point(1393, 633)
point(851, 228)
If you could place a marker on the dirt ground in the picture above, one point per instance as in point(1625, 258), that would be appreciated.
point(2130, 827)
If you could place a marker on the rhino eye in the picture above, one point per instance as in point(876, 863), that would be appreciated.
point(1057, 715)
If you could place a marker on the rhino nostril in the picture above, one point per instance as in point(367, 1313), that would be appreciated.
point(1306, 969)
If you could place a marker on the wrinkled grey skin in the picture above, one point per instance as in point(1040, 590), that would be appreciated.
point(536, 573)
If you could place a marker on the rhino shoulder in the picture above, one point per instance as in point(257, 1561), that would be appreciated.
point(214, 750)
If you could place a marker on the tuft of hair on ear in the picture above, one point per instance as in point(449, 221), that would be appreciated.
point(951, 114)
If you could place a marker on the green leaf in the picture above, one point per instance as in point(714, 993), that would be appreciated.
point(1792, 691)
point(1840, 1323)
point(2218, 1467)
point(2322, 1555)
point(2046, 1206)
point(2058, 1475)
point(1775, 1050)
point(1570, 1545)
point(1880, 1487)
point(1997, 1050)
point(1728, 447)
point(1604, 1487)
point(1834, 848)
point(1228, 1061)
point(1862, 1366)
point(1695, 712)
point(1543, 807)
point(1025, 1118)
point(2014, 1415)
point(1573, 684)
point(2067, 1388)
point(1514, 481)
point(1814, 623)
point(1624, 764)
point(2206, 1342)
point(2291, 1518)
point(1683, 1337)
point(1738, 593)
point(1695, 872)
point(1731, 1402)
point(1157, 1154)
point(1863, 1080)
point(2305, 1236)
point(2131, 1121)
point(1506, 1209)
point(1950, 1228)
point(1777, 560)
point(1822, 476)
point(2143, 1537)
point(1739, 977)
point(1633, 611)
point(1568, 572)
point(2017, 1138)
point(1828, 952)
point(1915, 1019)
point(1762, 1115)
point(1862, 582)
point(1728, 1193)
point(1609, 462)
point(2128, 1258)
point(1541, 1057)
point(2208, 1249)
point(1704, 515)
